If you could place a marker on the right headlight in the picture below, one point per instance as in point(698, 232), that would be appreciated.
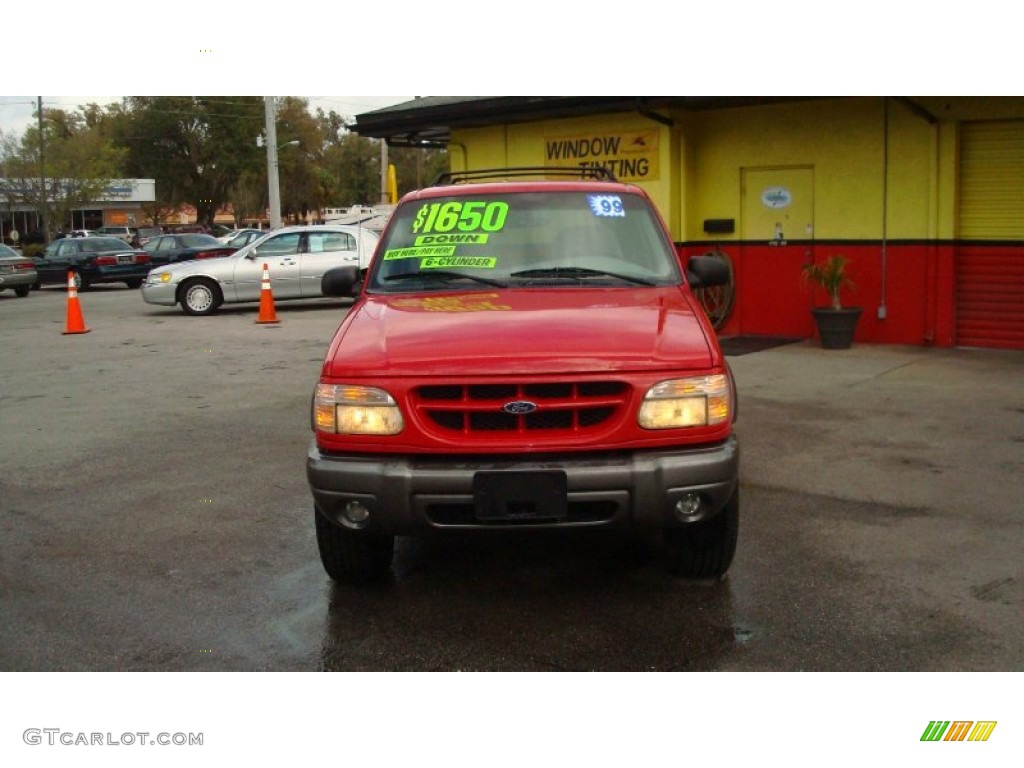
point(693, 402)
point(353, 410)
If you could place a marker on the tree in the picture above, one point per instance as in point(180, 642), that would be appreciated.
point(81, 166)
point(196, 147)
point(303, 185)
point(416, 167)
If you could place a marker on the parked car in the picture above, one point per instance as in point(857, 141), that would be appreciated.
point(93, 260)
point(16, 271)
point(528, 356)
point(74, 233)
point(124, 233)
point(144, 234)
point(296, 257)
point(244, 236)
point(167, 249)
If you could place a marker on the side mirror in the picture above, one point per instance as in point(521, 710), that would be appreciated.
point(706, 272)
point(251, 254)
point(340, 281)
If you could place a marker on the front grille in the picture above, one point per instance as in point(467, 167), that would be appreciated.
point(561, 407)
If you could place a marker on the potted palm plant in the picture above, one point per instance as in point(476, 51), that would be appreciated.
point(836, 323)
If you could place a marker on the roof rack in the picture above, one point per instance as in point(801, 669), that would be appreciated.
point(579, 172)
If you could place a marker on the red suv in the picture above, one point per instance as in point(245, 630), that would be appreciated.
point(524, 354)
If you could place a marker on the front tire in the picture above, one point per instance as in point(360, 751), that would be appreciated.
point(200, 296)
point(353, 557)
point(135, 282)
point(705, 550)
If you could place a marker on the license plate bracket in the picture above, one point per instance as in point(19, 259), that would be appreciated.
point(517, 496)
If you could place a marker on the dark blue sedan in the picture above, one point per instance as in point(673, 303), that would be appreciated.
point(92, 260)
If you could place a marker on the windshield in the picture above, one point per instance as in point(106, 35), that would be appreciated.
point(525, 239)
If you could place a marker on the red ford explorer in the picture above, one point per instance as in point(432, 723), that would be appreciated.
point(524, 354)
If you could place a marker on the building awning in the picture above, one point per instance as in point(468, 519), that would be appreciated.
point(429, 121)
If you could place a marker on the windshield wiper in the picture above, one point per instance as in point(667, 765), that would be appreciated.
point(442, 274)
point(579, 272)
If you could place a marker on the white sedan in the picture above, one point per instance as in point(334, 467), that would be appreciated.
point(296, 259)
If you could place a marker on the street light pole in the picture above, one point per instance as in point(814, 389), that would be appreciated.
point(273, 182)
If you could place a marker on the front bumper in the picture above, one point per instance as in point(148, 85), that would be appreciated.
point(160, 293)
point(641, 489)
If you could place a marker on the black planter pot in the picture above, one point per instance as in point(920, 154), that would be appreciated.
point(836, 326)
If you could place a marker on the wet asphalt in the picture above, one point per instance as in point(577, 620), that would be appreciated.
point(154, 515)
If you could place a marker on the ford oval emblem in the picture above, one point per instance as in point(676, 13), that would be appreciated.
point(519, 407)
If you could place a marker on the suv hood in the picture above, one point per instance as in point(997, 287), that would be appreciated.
point(525, 331)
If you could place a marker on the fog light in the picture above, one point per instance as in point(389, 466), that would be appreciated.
point(688, 506)
point(355, 513)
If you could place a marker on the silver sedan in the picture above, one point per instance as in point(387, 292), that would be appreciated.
point(296, 259)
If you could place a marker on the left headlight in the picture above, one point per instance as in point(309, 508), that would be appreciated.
point(156, 277)
point(695, 402)
point(352, 410)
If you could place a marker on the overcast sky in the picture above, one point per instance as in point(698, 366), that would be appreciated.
point(17, 112)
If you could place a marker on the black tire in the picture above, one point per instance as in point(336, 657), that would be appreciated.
point(81, 283)
point(21, 291)
point(353, 557)
point(705, 550)
point(135, 282)
point(200, 296)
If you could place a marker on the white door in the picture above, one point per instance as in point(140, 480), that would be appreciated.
point(281, 255)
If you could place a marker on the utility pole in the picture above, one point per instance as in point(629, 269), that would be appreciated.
point(273, 182)
point(42, 172)
point(384, 171)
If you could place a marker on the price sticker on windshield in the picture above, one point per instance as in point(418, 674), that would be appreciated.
point(606, 205)
point(455, 216)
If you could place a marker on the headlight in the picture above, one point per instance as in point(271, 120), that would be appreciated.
point(351, 410)
point(696, 402)
point(158, 277)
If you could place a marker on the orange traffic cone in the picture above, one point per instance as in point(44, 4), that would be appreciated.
point(75, 322)
point(267, 314)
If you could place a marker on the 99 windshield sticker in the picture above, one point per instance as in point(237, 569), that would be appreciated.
point(455, 216)
point(606, 205)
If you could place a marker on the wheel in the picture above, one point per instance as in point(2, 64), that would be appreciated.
point(354, 557)
point(81, 283)
point(135, 282)
point(200, 296)
point(21, 290)
point(705, 550)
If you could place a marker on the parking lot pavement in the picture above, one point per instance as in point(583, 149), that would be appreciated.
point(911, 463)
point(154, 515)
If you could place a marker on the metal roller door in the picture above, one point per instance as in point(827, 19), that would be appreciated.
point(990, 259)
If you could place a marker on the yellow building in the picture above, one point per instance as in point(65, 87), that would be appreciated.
point(925, 195)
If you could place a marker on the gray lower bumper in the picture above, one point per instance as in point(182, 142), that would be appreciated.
point(640, 489)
